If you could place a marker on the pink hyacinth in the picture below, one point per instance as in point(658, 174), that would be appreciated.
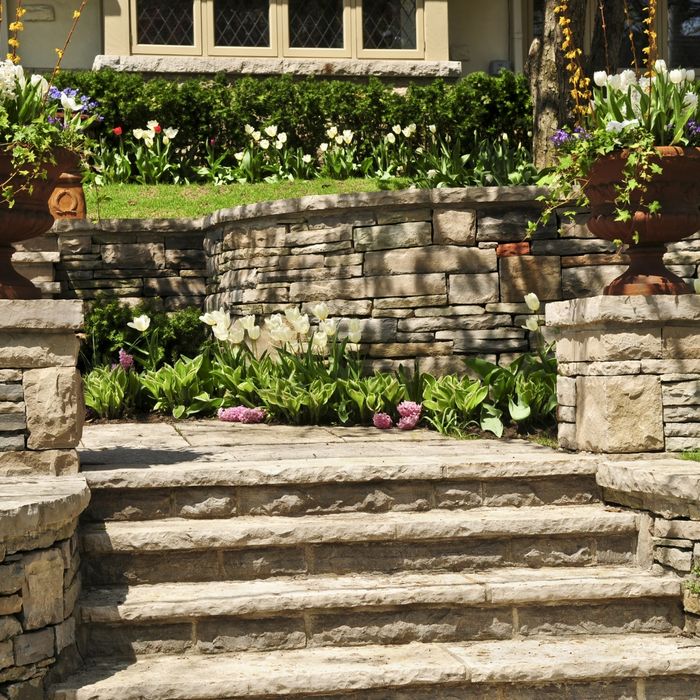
point(410, 413)
point(242, 414)
point(408, 409)
point(126, 361)
point(382, 421)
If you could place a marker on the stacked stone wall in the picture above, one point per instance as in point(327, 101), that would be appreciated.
point(39, 581)
point(41, 401)
point(433, 274)
point(629, 373)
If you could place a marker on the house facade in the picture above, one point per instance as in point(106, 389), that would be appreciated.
point(409, 38)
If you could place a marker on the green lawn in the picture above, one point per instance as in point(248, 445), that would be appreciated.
point(185, 201)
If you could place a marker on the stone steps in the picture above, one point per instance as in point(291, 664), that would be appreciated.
point(337, 484)
point(288, 613)
point(252, 547)
point(644, 667)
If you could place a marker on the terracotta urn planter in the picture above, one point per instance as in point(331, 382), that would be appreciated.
point(27, 218)
point(677, 189)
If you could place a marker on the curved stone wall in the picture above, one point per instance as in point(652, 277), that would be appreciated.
point(433, 274)
point(39, 581)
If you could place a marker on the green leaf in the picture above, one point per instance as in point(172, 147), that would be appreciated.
point(493, 425)
point(518, 411)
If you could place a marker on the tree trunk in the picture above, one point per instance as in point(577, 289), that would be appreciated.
point(549, 81)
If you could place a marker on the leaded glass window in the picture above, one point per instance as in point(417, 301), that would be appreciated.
point(242, 22)
point(316, 24)
point(165, 22)
point(684, 33)
point(389, 24)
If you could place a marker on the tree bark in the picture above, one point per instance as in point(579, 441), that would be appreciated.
point(549, 81)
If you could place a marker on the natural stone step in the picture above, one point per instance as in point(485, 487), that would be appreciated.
point(339, 484)
point(607, 666)
point(256, 547)
point(287, 613)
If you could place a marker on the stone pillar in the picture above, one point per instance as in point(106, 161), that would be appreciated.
point(629, 373)
point(41, 401)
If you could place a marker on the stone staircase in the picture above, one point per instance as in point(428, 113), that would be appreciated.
point(402, 568)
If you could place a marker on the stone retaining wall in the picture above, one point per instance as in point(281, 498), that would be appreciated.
point(41, 400)
point(433, 274)
point(629, 373)
point(39, 581)
point(666, 491)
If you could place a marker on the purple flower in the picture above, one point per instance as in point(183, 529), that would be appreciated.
point(126, 361)
point(242, 414)
point(692, 129)
point(560, 138)
point(382, 421)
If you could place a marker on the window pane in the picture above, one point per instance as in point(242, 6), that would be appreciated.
point(242, 22)
point(165, 22)
point(389, 24)
point(636, 10)
point(537, 19)
point(316, 24)
point(684, 33)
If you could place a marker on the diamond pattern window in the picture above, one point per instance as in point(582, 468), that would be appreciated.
point(389, 24)
point(242, 22)
point(684, 33)
point(165, 22)
point(316, 24)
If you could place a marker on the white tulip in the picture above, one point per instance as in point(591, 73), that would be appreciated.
point(690, 99)
point(432, 128)
point(396, 129)
point(306, 158)
point(533, 303)
point(41, 82)
point(615, 82)
point(256, 136)
point(319, 342)
point(247, 322)
point(339, 140)
point(301, 325)
point(140, 323)
point(676, 76)
point(236, 334)
point(271, 131)
point(264, 144)
point(320, 311)
point(406, 132)
point(323, 147)
point(690, 75)
point(151, 125)
point(254, 333)
point(627, 78)
point(279, 145)
point(70, 104)
point(248, 129)
point(292, 315)
point(531, 324)
point(329, 327)
point(170, 132)
point(354, 330)
point(239, 156)
point(600, 78)
point(390, 137)
point(213, 318)
point(660, 66)
point(282, 137)
point(138, 133)
point(348, 136)
point(332, 132)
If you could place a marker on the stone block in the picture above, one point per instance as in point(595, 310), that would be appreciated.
point(12, 421)
point(461, 310)
point(140, 255)
point(369, 287)
point(238, 279)
point(410, 302)
point(9, 627)
point(55, 409)
point(566, 436)
point(572, 246)
point(320, 236)
point(373, 330)
point(10, 375)
point(619, 414)
point(681, 393)
point(40, 315)
point(681, 414)
point(6, 656)
point(178, 286)
point(54, 462)
point(454, 227)
point(342, 260)
point(11, 392)
point(408, 349)
point(24, 349)
point(10, 604)
point(681, 342)
point(678, 559)
point(690, 430)
point(401, 216)
point(239, 238)
point(523, 274)
point(509, 225)
point(497, 340)
point(65, 634)
point(473, 289)
point(10, 442)
point(587, 346)
point(33, 647)
point(588, 281)
point(11, 577)
point(606, 369)
point(406, 235)
point(439, 323)
point(42, 589)
point(433, 258)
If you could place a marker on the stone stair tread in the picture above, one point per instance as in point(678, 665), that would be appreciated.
point(347, 669)
point(355, 468)
point(508, 586)
point(262, 531)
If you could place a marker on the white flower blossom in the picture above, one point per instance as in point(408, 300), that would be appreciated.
point(292, 315)
point(214, 318)
point(39, 80)
point(301, 325)
point(660, 66)
point(70, 103)
point(396, 129)
point(676, 76)
point(406, 132)
point(139, 133)
point(600, 78)
point(264, 144)
point(533, 303)
point(627, 79)
point(690, 99)
point(320, 311)
point(271, 131)
point(151, 125)
point(306, 158)
point(329, 326)
point(614, 82)
point(323, 147)
point(348, 136)
point(279, 145)
point(332, 132)
point(432, 128)
point(339, 140)
point(690, 75)
point(319, 342)
point(239, 156)
point(390, 137)
point(220, 331)
point(247, 322)
point(432, 173)
point(140, 323)
point(170, 132)
point(256, 136)
point(532, 324)
point(236, 334)
point(354, 330)
point(282, 137)
point(248, 129)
